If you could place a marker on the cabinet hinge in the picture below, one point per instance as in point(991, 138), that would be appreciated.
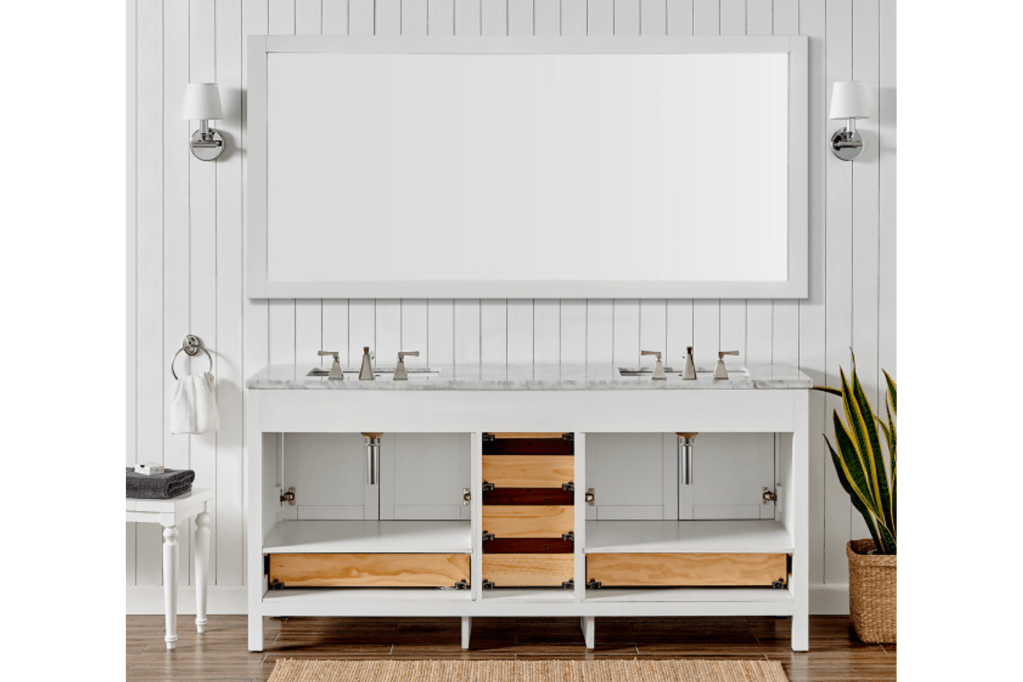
point(462, 585)
point(570, 535)
point(591, 497)
point(593, 584)
point(487, 585)
point(488, 437)
point(466, 497)
point(569, 584)
point(487, 537)
point(288, 497)
point(488, 487)
point(570, 437)
point(768, 496)
point(568, 487)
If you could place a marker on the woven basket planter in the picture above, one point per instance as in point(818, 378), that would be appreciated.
point(872, 592)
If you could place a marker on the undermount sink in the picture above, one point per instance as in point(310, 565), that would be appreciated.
point(387, 372)
point(646, 371)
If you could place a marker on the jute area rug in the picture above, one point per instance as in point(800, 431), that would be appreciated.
point(629, 670)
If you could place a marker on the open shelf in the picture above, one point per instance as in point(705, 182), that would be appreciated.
point(624, 537)
point(369, 537)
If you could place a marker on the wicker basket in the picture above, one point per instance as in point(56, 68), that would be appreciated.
point(872, 592)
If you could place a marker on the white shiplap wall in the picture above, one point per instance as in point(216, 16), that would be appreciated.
point(186, 224)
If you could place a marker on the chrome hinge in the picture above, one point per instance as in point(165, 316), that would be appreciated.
point(570, 535)
point(570, 437)
point(569, 584)
point(288, 497)
point(466, 497)
point(487, 536)
point(487, 585)
point(768, 496)
point(488, 437)
point(568, 487)
point(462, 585)
point(591, 497)
point(488, 487)
point(593, 585)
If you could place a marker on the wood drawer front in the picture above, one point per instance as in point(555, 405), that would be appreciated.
point(369, 570)
point(528, 446)
point(528, 496)
point(528, 570)
point(686, 570)
point(528, 471)
point(528, 521)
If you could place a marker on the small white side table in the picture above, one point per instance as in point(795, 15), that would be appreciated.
point(170, 513)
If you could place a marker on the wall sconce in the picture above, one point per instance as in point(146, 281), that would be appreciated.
point(202, 103)
point(849, 100)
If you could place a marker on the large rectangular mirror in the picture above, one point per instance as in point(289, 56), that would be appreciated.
point(527, 168)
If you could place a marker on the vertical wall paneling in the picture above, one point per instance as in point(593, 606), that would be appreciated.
point(812, 23)
point(186, 233)
point(176, 233)
point(680, 17)
point(202, 242)
point(229, 454)
point(131, 257)
point(886, 319)
point(865, 216)
point(493, 18)
point(335, 17)
point(839, 280)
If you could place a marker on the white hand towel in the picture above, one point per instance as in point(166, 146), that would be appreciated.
point(194, 406)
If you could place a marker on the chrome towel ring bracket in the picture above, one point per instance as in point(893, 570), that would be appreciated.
point(191, 345)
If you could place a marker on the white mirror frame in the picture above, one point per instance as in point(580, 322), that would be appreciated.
point(259, 286)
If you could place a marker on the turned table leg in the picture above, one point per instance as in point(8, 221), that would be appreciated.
point(202, 561)
point(170, 584)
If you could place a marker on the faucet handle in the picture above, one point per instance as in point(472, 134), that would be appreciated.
point(658, 374)
point(399, 371)
point(721, 372)
point(328, 352)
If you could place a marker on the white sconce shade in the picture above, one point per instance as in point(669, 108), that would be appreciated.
point(850, 99)
point(202, 102)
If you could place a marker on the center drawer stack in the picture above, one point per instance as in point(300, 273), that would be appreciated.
point(528, 510)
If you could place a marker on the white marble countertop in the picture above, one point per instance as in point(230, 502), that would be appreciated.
point(532, 378)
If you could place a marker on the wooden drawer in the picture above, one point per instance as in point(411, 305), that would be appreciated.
point(528, 521)
point(369, 570)
point(528, 570)
point(506, 444)
point(528, 471)
point(528, 496)
point(686, 570)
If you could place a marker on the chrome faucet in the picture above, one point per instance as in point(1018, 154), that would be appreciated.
point(335, 368)
point(722, 372)
point(366, 373)
point(658, 373)
point(690, 371)
point(399, 372)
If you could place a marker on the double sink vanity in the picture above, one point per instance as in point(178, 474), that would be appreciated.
point(474, 492)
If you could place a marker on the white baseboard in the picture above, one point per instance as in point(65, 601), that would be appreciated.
point(220, 600)
point(229, 600)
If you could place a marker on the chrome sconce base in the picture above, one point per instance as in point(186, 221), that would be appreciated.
point(846, 144)
point(207, 146)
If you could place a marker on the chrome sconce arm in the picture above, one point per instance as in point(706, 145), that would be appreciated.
point(850, 100)
point(202, 103)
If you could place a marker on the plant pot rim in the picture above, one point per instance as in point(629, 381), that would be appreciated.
point(857, 550)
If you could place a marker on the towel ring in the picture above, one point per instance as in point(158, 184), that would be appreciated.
point(191, 345)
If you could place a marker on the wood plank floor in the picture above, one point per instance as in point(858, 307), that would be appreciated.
point(835, 655)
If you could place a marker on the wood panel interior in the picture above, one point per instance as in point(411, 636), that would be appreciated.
point(528, 471)
point(528, 521)
point(528, 570)
point(369, 570)
point(686, 570)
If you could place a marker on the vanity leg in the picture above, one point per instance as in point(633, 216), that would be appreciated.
point(255, 631)
point(466, 631)
point(589, 625)
point(801, 632)
point(202, 560)
point(170, 584)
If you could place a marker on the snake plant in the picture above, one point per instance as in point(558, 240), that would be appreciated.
point(860, 460)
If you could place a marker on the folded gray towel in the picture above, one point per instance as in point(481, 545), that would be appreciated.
point(171, 483)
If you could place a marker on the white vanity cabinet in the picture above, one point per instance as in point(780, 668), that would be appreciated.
point(732, 542)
